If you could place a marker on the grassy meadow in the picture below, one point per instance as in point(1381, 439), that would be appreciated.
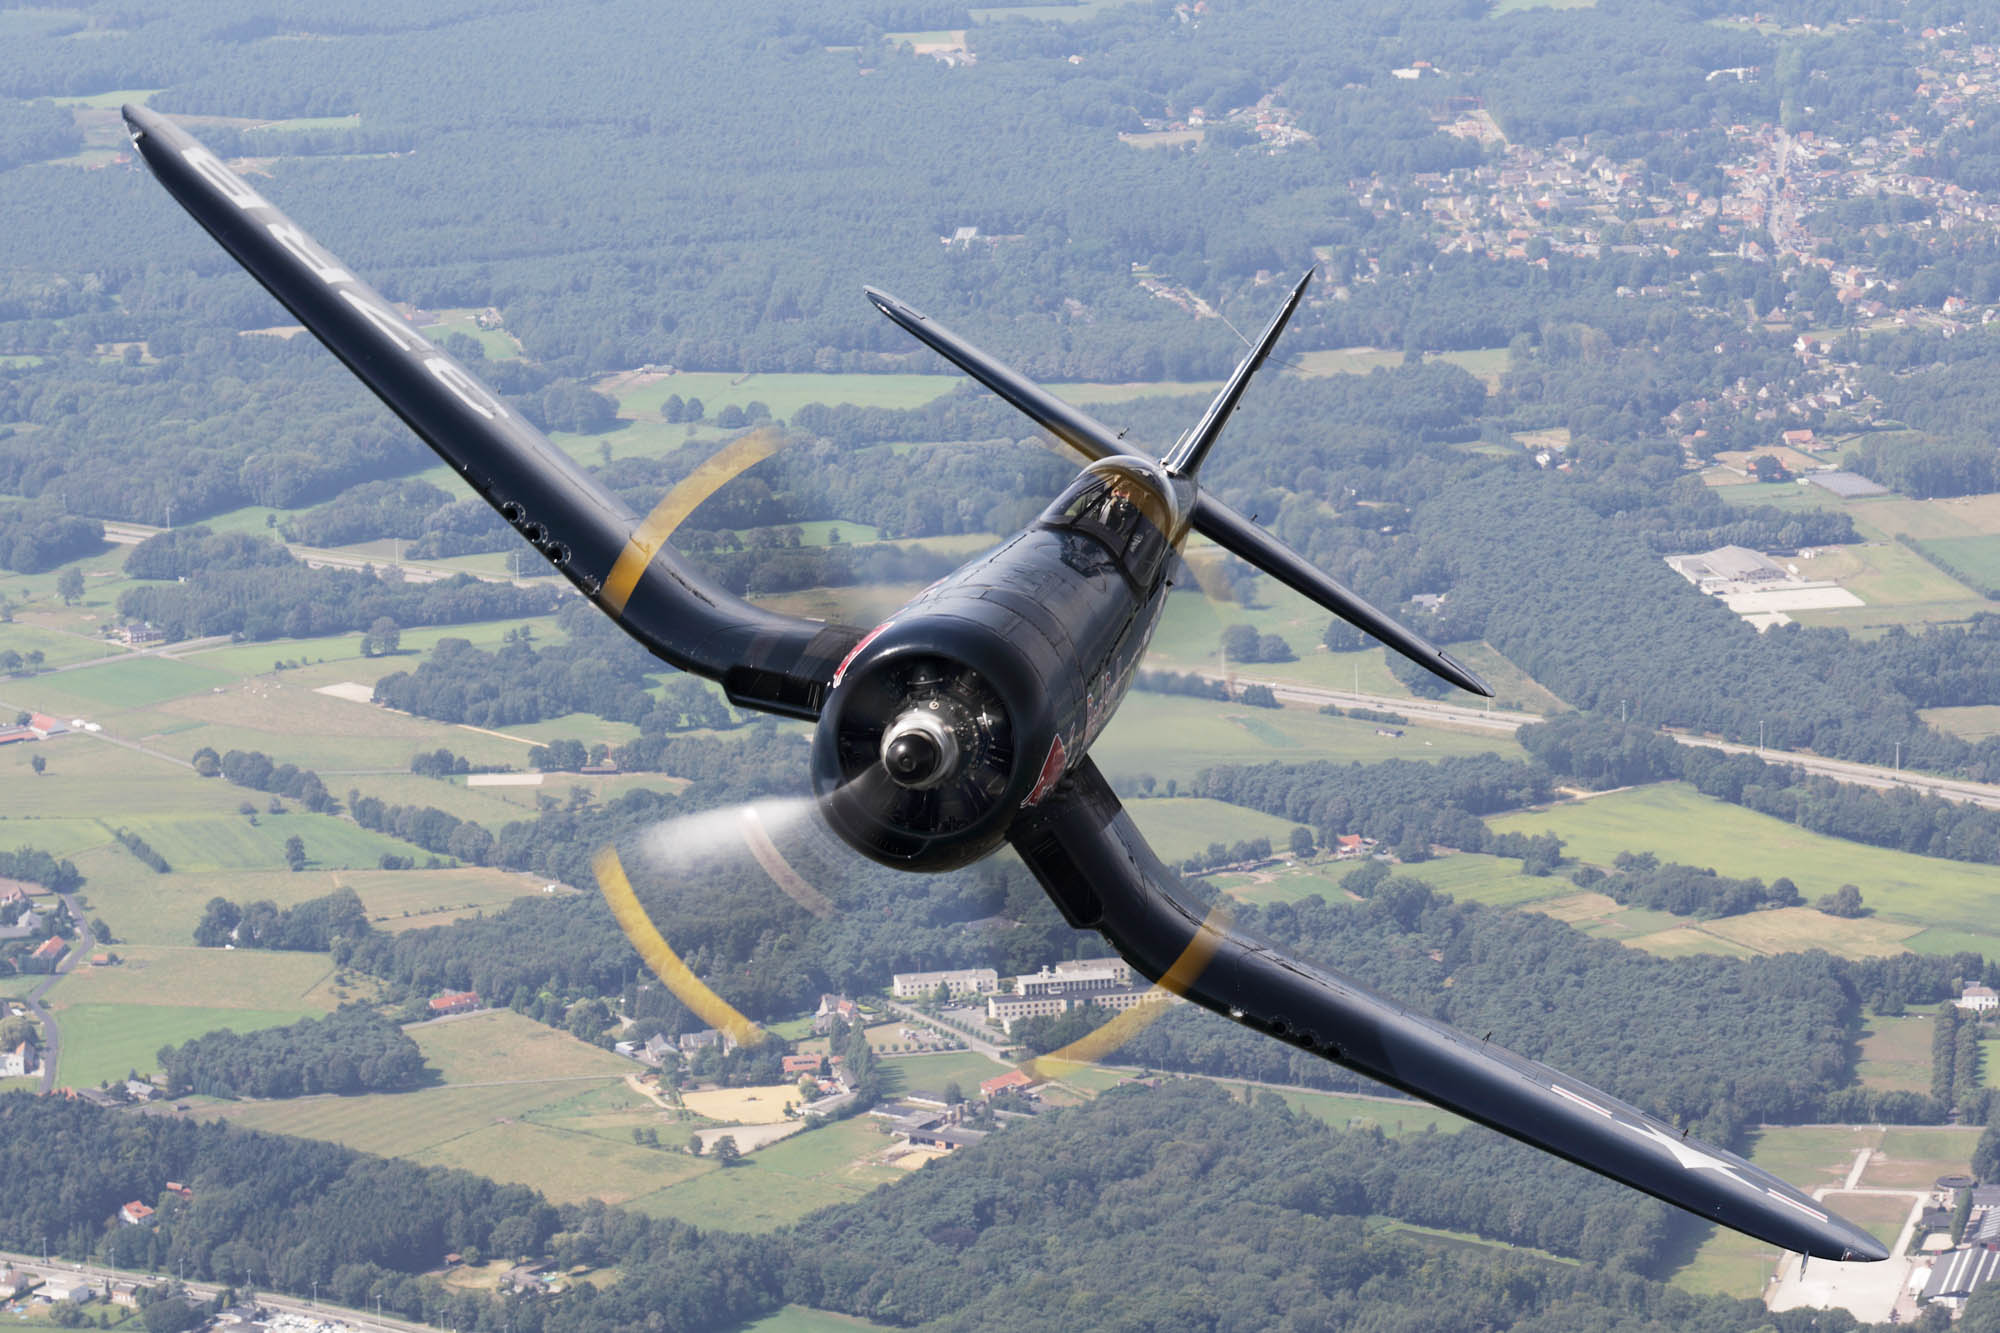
point(1906, 892)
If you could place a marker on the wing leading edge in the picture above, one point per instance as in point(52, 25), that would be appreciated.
point(1093, 862)
point(773, 662)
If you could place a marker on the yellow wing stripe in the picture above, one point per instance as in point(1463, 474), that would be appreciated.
point(646, 540)
point(711, 1008)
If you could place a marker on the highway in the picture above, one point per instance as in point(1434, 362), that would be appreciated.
point(1985, 794)
point(98, 1273)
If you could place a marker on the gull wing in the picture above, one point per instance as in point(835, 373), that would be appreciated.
point(1092, 861)
point(777, 663)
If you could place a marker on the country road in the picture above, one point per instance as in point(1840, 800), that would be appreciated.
point(122, 533)
point(51, 1034)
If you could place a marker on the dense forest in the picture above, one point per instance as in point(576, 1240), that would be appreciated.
point(252, 588)
point(354, 1050)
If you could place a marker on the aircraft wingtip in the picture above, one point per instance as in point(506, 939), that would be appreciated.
point(1464, 676)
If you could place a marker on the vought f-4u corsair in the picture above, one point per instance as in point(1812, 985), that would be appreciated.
point(965, 720)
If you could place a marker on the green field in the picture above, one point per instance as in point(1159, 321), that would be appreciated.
point(778, 1185)
point(129, 684)
point(1973, 722)
point(232, 842)
point(929, 1073)
point(1184, 826)
point(219, 978)
point(105, 1041)
point(1974, 559)
point(1989, 1061)
point(1678, 823)
point(58, 647)
point(1175, 736)
point(500, 1044)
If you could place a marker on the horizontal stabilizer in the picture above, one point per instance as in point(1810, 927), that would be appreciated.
point(1255, 546)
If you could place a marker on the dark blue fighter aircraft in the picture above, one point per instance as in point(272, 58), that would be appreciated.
point(965, 720)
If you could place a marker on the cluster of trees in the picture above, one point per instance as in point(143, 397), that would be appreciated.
point(1955, 1065)
point(350, 1051)
point(367, 512)
point(316, 925)
point(1219, 854)
point(598, 669)
point(256, 770)
point(38, 867)
point(1398, 802)
point(1191, 683)
point(1640, 880)
point(428, 827)
point(32, 540)
point(254, 589)
point(1242, 643)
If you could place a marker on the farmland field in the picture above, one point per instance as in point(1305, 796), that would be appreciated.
point(1391, 1117)
point(1900, 887)
point(929, 1073)
point(780, 1184)
point(1912, 1157)
point(499, 1044)
point(1174, 736)
point(105, 1041)
point(802, 1319)
point(1973, 722)
point(1976, 560)
point(232, 842)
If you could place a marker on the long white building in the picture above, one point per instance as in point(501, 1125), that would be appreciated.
point(959, 984)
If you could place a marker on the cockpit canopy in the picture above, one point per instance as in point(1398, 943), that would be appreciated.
point(1127, 506)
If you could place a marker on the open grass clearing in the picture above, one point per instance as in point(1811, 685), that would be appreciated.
point(1784, 930)
point(1896, 1054)
point(1989, 1062)
point(1975, 560)
point(133, 683)
point(58, 647)
point(500, 1045)
point(778, 1185)
point(743, 1106)
point(1728, 1263)
point(105, 1041)
point(1494, 880)
point(1881, 1216)
point(1672, 820)
point(1687, 941)
point(1972, 722)
point(565, 1166)
point(1391, 1117)
point(804, 1319)
point(1912, 1157)
point(57, 837)
point(1180, 827)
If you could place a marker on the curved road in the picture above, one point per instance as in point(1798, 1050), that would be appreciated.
point(51, 1035)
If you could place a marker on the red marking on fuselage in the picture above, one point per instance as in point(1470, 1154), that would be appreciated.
point(855, 651)
point(1052, 771)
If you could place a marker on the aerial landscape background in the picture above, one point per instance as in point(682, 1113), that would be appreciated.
point(1652, 367)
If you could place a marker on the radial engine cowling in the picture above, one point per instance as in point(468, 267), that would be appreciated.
point(919, 759)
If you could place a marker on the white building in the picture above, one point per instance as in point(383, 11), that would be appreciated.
point(1977, 998)
point(1085, 976)
point(959, 984)
point(1007, 1010)
point(19, 1062)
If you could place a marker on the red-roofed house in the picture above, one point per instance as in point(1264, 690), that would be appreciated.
point(802, 1064)
point(1012, 1079)
point(175, 1187)
point(454, 1002)
point(45, 726)
point(49, 951)
point(135, 1214)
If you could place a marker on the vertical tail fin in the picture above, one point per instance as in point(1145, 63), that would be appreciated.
point(1185, 459)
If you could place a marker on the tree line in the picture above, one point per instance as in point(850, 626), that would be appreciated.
point(353, 1050)
point(317, 925)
